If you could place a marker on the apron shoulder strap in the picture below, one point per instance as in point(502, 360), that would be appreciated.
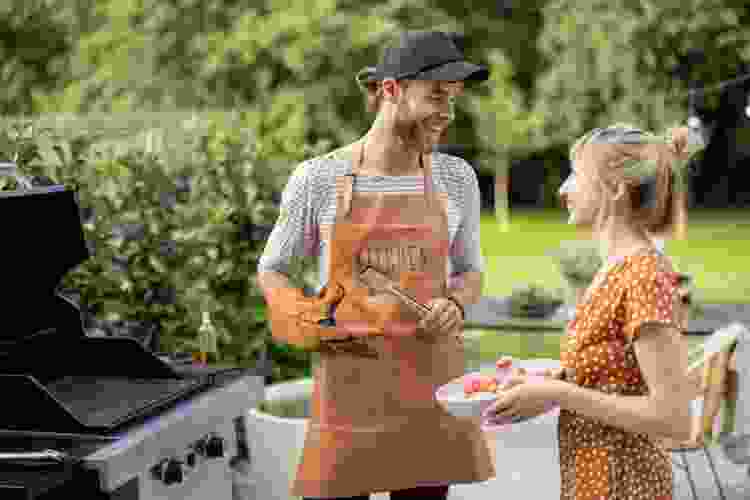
point(344, 189)
point(429, 188)
point(435, 200)
point(345, 184)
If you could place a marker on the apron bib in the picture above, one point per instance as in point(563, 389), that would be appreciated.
point(375, 423)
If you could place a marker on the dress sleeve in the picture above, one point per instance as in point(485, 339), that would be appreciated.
point(651, 296)
point(466, 250)
point(295, 233)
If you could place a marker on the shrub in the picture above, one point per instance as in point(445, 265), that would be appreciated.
point(533, 301)
point(578, 262)
point(174, 230)
point(296, 408)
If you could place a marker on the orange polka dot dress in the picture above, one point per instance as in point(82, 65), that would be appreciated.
point(597, 460)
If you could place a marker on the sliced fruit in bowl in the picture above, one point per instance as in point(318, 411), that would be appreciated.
point(477, 382)
point(468, 395)
point(471, 395)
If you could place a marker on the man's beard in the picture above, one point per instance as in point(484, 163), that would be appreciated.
point(413, 134)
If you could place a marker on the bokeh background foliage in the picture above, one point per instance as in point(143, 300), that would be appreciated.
point(178, 121)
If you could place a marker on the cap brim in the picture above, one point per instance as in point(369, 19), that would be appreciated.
point(456, 72)
point(366, 76)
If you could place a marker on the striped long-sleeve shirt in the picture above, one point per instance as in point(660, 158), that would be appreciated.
point(308, 211)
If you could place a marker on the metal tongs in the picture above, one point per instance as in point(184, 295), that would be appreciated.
point(352, 345)
point(44, 457)
point(379, 282)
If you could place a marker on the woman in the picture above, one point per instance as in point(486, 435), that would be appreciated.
point(622, 388)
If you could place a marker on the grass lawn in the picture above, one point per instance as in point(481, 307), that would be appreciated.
point(715, 252)
point(529, 344)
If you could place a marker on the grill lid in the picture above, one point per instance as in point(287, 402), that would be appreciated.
point(43, 240)
point(60, 379)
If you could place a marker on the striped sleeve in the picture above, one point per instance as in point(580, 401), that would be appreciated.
point(466, 251)
point(295, 233)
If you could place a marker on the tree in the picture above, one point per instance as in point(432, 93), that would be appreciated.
point(617, 61)
point(292, 61)
point(505, 128)
point(498, 124)
point(34, 45)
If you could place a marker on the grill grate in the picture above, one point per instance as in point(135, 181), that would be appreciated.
point(105, 402)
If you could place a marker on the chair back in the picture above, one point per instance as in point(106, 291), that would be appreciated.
point(714, 389)
point(735, 436)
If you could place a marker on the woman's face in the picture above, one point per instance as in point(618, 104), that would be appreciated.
point(581, 193)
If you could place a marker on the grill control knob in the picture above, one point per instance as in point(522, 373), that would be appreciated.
point(168, 471)
point(172, 471)
point(211, 446)
point(215, 447)
point(190, 459)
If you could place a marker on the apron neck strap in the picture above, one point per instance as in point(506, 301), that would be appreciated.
point(426, 166)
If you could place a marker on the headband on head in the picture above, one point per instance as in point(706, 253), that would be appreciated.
point(643, 169)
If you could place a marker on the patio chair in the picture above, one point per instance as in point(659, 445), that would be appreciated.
point(698, 443)
point(715, 358)
point(735, 440)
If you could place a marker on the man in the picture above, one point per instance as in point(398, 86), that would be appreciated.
point(368, 82)
point(384, 203)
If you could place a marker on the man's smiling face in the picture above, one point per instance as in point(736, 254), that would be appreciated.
point(425, 111)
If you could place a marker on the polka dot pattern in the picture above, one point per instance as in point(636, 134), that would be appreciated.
point(599, 461)
point(592, 474)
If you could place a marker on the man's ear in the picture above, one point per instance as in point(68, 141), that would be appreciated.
point(391, 89)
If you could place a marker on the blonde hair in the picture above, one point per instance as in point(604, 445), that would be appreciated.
point(650, 166)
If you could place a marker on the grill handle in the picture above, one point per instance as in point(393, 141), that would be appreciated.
point(42, 456)
point(9, 169)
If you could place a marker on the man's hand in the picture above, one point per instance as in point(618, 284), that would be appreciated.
point(444, 317)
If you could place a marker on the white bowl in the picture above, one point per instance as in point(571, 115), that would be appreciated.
point(451, 397)
point(736, 448)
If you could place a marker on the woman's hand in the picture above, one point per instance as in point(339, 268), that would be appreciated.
point(522, 397)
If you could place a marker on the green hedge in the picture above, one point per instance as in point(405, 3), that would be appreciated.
point(176, 215)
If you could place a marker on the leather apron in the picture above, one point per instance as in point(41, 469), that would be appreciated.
point(375, 424)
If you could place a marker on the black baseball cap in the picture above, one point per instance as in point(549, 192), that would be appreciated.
point(366, 76)
point(427, 55)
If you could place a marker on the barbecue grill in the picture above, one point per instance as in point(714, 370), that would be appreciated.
point(91, 417)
